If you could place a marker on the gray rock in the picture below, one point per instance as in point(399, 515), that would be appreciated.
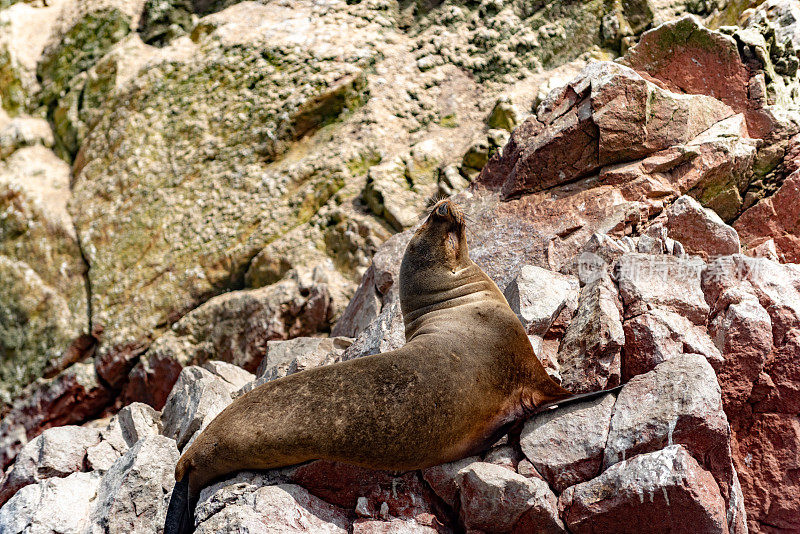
point(563, 456)
point(134, 494)
point(595, 257)
point(538, 295)
point(650, 245)
point(677, 402)
point(387, 332)
point(233, 375)
point(443, 478)
point(287, 357)
point(138, 421)
point(249, 503)
point(56, 452)
point(53, 506)
point(589, 355)
point(197, 397)
point(101, 457)
point(647, 282)
point(496, 499)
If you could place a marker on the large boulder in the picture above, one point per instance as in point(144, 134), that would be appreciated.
point(496, 499)
point(196, 399)
point(190, 254)
point(133, 494)
point(57, 452)
point(53, 506)
point(234, 327)
point(647, 490)
point(548, 440)
point(44, 305)
point(606, 115)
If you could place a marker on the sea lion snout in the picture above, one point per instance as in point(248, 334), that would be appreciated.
point(447, 209)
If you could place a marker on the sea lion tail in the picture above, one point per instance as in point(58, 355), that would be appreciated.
point(180, 514)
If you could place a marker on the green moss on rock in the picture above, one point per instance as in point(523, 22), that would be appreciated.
point(181, 181)
point(80, 48)
point(36, 326)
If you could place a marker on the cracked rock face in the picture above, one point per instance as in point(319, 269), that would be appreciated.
point(644, 491)
point(193, 193)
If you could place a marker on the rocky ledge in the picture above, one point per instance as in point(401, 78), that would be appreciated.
point(642, 220)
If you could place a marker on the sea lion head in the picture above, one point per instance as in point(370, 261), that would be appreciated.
point(440, 243)
point(435, 263)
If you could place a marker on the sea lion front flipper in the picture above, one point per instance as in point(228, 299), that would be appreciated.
point(180, 514)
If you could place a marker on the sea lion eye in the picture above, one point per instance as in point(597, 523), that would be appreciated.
point(442, 210)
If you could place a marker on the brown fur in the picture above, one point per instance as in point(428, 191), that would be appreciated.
point(466, 372)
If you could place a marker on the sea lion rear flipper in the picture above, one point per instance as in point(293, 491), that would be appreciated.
point(575, 398)
point(180, 514)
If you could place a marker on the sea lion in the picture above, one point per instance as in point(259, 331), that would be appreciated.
point(466, 373)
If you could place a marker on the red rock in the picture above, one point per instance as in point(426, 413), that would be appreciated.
point(73, 396)
point(607, 114)
point(782, 367)
point(714, 167)
point(684, 56)
point(343, 484)
point(151, 380)
point(768, 459)
point(767, 250)
point(776, 218)
point(658, 335)
point(442, 479)
point(249, 503)
point(589, 356)
point(649, 282)
point(496, 499)
point(742, 330)
point(791, 158)
point(678, 402)
point(504, 455)
point(759, 302)
point(663, 491)
point(700, 230)
point(394, 526)
point(114, 365)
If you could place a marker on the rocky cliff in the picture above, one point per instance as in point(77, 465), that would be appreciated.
point(198, 197)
